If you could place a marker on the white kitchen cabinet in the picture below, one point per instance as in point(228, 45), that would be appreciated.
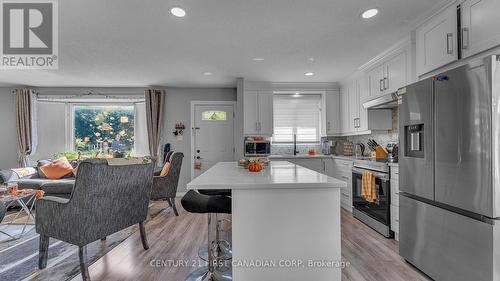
point(394, 185)
point(354, 117)
point(333, 123)
point(258, 113)
point(353, 106)
point(363, 96)
point(376, 81)
point(480, 26)
point(266, 113)
point(388, 76)
point(344, 111)
point(437, 41)
point(395, 73)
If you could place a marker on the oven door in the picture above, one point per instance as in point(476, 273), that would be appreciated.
point(380, 209)
point(250, 149)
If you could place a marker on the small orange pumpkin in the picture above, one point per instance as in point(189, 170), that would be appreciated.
point(255, 166)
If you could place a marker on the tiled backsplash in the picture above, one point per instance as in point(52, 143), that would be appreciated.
point(287, 149)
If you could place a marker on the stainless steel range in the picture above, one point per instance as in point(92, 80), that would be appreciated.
point(375, 214)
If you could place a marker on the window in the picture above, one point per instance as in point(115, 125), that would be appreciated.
point(107, 129)
point(214, 115)
point(298, 114)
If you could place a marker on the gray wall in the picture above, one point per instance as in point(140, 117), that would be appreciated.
point(8, 140)
point(178, 109)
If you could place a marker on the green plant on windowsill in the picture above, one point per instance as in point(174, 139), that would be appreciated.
point(68, 154)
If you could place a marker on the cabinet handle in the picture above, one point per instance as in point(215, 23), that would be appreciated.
point(344, 177)
point(465, 39)
point(328, 126)
point(381, 85)
point(449, 47)
point(359, 122)
point(260, 127)
point(386, 83)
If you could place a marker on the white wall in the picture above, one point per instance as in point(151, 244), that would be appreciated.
point(178, 109)
point(8, 140)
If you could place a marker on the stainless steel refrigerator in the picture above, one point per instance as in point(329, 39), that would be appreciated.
point(449, 129)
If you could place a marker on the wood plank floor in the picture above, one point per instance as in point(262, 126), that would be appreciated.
point(371, 256)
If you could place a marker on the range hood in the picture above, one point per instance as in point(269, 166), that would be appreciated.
point(383, 102)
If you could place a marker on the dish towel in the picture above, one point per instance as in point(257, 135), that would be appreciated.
point(368, 187)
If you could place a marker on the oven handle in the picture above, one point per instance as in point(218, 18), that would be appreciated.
point(381, 176)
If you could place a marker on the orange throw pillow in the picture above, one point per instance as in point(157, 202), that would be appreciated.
point(57, 168)
point(165, 169)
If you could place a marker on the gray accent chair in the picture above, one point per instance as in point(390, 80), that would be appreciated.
point(165, 188)
point(105, 199)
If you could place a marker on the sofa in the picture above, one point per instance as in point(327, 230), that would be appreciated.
point(32, 178)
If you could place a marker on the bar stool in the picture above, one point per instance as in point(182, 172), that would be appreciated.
point(195, 202)
point(224, 246)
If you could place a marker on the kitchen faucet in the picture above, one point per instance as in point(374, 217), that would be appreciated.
point(295, 151)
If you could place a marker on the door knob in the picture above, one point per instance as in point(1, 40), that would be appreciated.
point(197, 151)
point(198, 157)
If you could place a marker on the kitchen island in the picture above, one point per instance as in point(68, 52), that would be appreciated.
point(285, 221)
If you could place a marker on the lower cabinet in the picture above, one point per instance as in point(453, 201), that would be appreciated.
point(333, 167)
point(395, 201)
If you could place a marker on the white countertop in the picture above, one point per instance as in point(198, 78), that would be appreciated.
point(278, 175)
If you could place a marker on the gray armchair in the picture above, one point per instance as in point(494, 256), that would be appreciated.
point(105, 199)
point(165, 187)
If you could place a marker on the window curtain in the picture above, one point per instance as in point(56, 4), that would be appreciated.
point(155, 102)
point(26, 124)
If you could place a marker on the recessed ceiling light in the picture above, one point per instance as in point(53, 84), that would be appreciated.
point(207, 73)
point(258, 59)
point(178, 12)
point(309, 74)
point(369, 13)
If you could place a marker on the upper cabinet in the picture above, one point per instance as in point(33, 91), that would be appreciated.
point(480, 26)
point(388, 76)
point(332, 100)
point(258, 113)
point(437, 41)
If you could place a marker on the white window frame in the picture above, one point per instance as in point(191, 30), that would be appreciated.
point(322, 126)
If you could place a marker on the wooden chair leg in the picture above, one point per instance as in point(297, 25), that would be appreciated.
point(84, 267)
point(144, 239)
point(172, 200)
point(43, 251)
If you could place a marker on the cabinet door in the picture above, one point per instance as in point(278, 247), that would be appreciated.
point(353, 106)
point(344, 110)
point(333, 125)
point(437, 41)
point(265, 101)
point(250, 113)
point(395, 76)
point(363, 95)
point(480, 22)
point(375, 80)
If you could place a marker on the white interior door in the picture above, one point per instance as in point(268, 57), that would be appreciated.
point(213, 136)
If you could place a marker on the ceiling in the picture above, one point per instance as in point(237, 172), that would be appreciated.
point(131, 43)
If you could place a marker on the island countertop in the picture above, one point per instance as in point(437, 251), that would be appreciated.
point(279, 174)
